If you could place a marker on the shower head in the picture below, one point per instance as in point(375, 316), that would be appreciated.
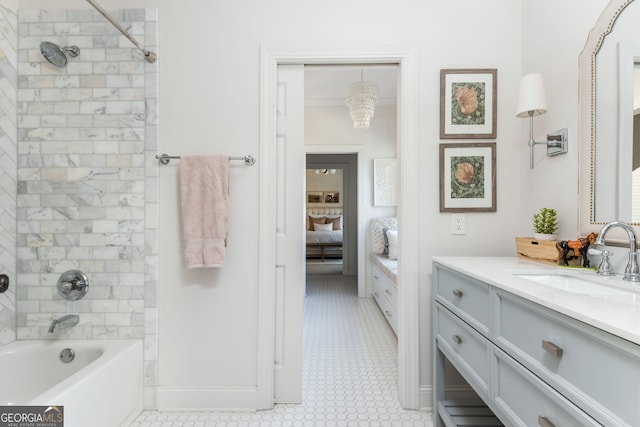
point(56, 55)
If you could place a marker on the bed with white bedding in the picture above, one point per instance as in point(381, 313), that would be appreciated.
point(324, 233)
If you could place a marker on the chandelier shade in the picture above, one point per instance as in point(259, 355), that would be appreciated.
point(361, 100)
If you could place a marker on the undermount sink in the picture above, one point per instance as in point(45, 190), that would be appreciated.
point(573, 284)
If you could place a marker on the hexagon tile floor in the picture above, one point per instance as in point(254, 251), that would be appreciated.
point(349, 373)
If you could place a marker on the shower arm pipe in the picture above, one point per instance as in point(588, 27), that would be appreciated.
point(148, 55)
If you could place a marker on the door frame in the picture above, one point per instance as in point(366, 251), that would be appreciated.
point(408, 292)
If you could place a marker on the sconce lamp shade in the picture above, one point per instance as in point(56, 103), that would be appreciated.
point(531, 97)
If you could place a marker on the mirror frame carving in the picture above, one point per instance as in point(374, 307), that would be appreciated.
point(587, 88)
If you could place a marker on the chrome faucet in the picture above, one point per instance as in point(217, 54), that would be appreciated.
point(67, 321)
point(631, 271)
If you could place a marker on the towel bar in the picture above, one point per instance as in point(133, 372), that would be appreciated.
point(249, 160)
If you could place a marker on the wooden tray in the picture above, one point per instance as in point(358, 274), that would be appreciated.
point(538, 250)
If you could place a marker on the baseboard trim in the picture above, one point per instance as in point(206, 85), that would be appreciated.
point(236, 399)
point(426, 398)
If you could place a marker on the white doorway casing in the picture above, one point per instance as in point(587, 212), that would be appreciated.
point(408, 293)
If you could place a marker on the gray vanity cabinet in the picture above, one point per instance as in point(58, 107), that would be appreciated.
point(530, 366)
point(592, 368)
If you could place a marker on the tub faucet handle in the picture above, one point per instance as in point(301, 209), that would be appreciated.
point(73, 285)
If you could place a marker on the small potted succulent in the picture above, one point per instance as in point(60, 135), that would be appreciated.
point(545, 224)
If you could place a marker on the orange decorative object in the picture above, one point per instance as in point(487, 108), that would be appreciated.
point(579, 248)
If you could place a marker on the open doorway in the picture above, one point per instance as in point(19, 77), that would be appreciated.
point(276, 167)
point(332, 214)
point(329, 130)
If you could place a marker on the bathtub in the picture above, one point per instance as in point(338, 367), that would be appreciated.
point(102, 386)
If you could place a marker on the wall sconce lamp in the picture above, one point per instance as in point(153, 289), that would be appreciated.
point(532, 102)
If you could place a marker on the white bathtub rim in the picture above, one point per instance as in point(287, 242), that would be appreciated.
point(111, 350)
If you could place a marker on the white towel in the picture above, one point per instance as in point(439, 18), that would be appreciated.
point(204, 199)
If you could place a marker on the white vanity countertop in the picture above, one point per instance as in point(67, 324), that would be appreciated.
point(618, 314)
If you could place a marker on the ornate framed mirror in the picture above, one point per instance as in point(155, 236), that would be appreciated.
point(607, 165)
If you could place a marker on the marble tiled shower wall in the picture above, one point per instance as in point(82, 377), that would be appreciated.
point(87, 179)
point(8, 168)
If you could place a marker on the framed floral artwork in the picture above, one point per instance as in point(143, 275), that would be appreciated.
point(468, 177)
point(468, 103)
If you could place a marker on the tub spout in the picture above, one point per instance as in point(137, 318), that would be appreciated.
point(67, 321)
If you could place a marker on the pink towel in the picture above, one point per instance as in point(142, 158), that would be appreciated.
point(204, 194)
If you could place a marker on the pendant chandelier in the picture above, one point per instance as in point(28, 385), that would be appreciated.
point(362, 98)
point(324, 171)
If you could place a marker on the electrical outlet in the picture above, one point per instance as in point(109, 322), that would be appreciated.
point(458, 224)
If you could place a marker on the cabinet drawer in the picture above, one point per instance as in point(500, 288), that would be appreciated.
point(467, 350)
point(583, 363)
point(465, 296)
point(392, 317)
point(386, 286)
point(526, 401)
point(378, 288)
point(387, 306)
point(389, 312)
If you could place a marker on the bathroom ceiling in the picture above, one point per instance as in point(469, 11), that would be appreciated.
point(328, 84)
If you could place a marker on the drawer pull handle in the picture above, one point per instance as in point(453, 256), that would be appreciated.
point(552, 348)
point(458, 293)
point(544, 422)
point(457, 339)
point(388, 313)
point(387, 291)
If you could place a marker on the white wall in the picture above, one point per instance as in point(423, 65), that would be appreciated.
point(554, 34)
point(209, 94)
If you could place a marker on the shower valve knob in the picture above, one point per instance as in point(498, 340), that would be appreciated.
point(73, 285)
point(4, 283)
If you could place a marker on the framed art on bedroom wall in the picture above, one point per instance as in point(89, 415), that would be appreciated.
point(385, 178)
point(315, 197)
point(332, 197)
